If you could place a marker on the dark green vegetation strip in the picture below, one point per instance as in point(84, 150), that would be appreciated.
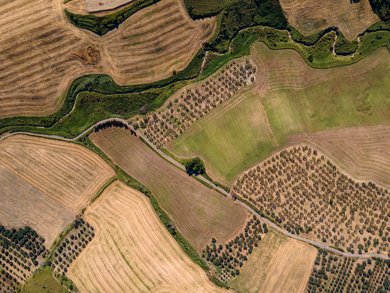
point(164, 218)
point(243, 14)
point(97, 97)
point(101, 25)
point(92, 98)
point(381, 8)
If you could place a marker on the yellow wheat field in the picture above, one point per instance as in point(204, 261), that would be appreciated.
point(46, 183)
point(41, 53)
point(132, 251)
point(279, 264)
point(311, 16)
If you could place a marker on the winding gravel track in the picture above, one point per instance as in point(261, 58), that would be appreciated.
point(201, 178)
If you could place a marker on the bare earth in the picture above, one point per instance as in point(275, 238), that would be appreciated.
point(24, 205)
point(311, 16)
point(102, 5)
point(44, 53)
point(362, 151)
point(47, 182)
point(132, 251)
point(198, 212)
point(279, 264)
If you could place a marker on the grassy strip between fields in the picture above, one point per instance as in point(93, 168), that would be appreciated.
point(163, 216)
point(43, 281)
point(101, 25)
point(92, 98)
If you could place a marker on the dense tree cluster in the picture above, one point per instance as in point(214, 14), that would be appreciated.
point(381, 8)
point(21, 252)
point(109, 124)
point(71, 246)
point(333, 273)
point(163, 126)
point(194, 167)
point(229, 258)
point(304, 192)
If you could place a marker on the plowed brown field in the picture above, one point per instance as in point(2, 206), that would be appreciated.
point(132, 251)
point(41, 52)
point(362, 151)
point(198, 212)
point(45, 183)
point(311, 16)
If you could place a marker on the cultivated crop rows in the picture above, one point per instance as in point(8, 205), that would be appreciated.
point(229, 258)
point(21, 252)
point(305, 193)
point(194, 103)
point(333, 273)
point(72, 245)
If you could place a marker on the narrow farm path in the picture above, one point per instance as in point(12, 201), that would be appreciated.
point(317, 244)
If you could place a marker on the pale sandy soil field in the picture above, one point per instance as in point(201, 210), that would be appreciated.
point(198, 212)
point(132, 251)
point(24, 205)
point(102, 5)
point(278, 264)
point(362, 151)
point(44, 53)
point(311, 16)
point(47, 182)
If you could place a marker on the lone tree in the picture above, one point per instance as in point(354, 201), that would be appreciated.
point(194, 167)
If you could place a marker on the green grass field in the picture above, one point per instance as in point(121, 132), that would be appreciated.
point(236, 135)
point(240, 120)
point(43, 281)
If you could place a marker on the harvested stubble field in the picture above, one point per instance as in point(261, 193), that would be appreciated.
point(43, 53)
point(311, 16)
point(47, 182)
point(305, 193)
point(278, 264)
point(132, 251)
point(289, 98)
point(363, 151)
point(198, 212)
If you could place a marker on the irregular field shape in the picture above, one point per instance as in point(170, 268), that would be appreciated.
point(102, 5)
point(310, 16)
point(198, 212)
point(362, 151)
point(68, 173)
point(290, 98)
point(278, 264)
point(47, 182)
point(41, 55)
point(132, 251)
point(24, 205)
point(305, 193)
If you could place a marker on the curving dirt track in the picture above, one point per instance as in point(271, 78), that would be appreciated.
point(45, 183)
point(198, 212)
point(132, 251)
point(362, 151)
point(41, 52)
point(311, 16)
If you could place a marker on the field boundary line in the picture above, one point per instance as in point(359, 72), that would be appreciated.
point(238, 201)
